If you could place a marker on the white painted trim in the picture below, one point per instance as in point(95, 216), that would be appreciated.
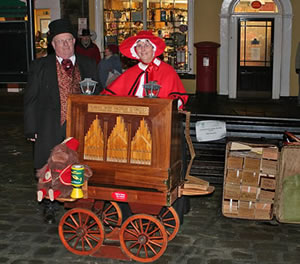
point(282, 48)
point(191, 19)
point(99, 27)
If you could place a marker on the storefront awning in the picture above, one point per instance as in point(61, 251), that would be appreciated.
point(13, 8)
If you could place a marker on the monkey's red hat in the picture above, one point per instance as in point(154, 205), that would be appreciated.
point(71, 143)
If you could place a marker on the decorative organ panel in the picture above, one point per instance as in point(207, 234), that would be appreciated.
point(117, 146)
point(94, 142)
point(141, 145)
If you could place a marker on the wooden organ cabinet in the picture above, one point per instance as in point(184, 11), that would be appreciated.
point(133, 146)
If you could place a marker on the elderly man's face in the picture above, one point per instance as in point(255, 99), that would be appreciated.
point(145, 51)
point(64, 45)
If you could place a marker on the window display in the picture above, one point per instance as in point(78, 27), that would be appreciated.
point(167, 19)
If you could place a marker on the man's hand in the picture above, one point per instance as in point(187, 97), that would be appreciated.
point(32, 139)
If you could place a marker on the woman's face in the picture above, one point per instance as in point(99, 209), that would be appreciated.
point(145, 51)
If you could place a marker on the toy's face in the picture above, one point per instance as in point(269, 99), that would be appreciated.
point(60, 155)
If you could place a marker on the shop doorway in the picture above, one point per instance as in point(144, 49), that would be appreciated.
point(255, 57)
point(282, 26)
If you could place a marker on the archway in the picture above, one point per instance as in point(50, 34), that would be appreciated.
point(282, 47)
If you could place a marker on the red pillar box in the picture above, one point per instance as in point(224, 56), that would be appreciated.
point(206, 79)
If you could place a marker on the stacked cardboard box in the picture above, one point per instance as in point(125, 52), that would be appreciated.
point(249, 180)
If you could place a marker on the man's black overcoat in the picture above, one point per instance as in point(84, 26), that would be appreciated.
point(42, 104)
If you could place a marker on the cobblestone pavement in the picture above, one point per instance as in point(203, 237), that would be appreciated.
point(206, 237)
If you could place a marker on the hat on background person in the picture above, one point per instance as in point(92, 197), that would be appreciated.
point(60, 26)
point(127, 47)
point(85, 32)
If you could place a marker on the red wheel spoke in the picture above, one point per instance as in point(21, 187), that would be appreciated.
point(154, 243)
point(88, 242)
point(146, 251)
point(147, 226)
point(131, 233)
point(135, 226)
point(74, 221)
point(153, 231)
point(71, 238)
point(107, 220)
point(91, 225)
point(152, 249)
point(108, 208)
point(169, 225)
point(141, 225)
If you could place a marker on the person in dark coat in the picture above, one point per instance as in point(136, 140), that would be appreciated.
point(51, 79)
point(110, 63)
point(85, 46)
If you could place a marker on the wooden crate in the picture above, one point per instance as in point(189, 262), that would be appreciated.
point(251, 182)
point(287, 196)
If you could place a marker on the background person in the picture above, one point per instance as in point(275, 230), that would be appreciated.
point(85, 46)
point(110, 63)
point(51, 79)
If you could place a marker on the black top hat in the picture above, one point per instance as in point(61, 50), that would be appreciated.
point(85, 32)
point(60, 26)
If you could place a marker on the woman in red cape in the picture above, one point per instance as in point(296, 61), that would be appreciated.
point(145, 47)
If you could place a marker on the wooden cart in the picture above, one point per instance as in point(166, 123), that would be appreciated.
point(133, 146)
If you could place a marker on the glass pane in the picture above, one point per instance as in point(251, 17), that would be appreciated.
point(255, 43)
point(250, 6)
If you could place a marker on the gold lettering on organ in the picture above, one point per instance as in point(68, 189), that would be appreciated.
point(118, 109)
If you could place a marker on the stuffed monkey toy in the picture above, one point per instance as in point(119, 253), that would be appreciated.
point(54, 179)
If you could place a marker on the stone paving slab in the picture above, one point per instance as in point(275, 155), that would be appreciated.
point(206, 236)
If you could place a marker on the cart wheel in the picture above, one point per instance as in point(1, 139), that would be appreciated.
point(110, 214)
point(81, 231)
point(169, 218)
point(143, 238)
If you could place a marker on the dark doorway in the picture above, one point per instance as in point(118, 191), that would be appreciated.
point(255, 57)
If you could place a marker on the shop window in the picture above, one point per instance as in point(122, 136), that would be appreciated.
point(168, 19)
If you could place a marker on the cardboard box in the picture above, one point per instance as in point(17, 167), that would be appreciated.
point(269, 166)
point(233, 176)
point(230, 207)
point(250, 178)
point(248, 193)
point(246, 209)
point(252, 164)
point(267, 183)
point(235, 163)
point(232, 191)
point(270, 153)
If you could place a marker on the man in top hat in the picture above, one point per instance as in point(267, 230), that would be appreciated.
point(145, 47)
point(86, 47)
point(50, 81)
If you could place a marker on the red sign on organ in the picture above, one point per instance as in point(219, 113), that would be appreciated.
point(256, 4)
